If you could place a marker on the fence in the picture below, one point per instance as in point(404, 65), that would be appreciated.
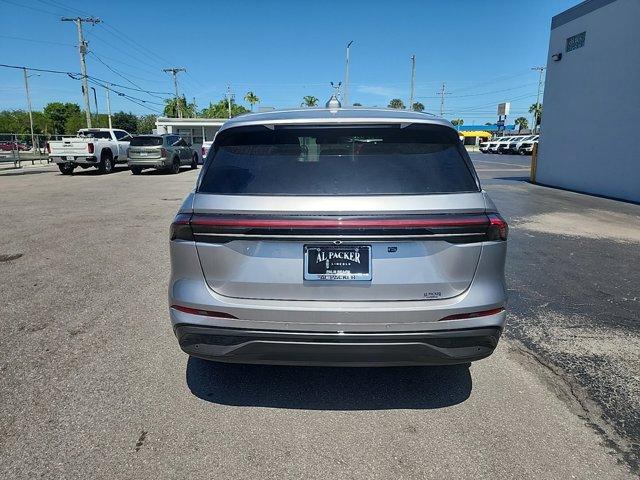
point(17, 148)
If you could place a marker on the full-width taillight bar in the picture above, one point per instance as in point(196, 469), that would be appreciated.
point(184, 225)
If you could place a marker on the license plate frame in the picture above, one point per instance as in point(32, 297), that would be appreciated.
point(69, 158)
point(336, 268)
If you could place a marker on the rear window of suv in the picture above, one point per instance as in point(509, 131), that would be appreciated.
point(146, 142)
point(338, 160)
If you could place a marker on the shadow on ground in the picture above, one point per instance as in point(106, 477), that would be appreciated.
point(328, 388)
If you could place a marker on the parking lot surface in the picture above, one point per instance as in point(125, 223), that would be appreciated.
point(94, 385)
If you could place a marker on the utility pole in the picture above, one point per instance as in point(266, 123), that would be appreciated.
point(82, 49)
point(26, 86)
point(95, 101)
point(229, 96)
point(534, 119)
point(413, 78)
point(108, 107)
point(442, 93)
point(346, 77)
point(174, 71)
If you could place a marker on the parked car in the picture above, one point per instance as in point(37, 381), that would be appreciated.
point(356, 237)
point(488, 145)
point(205, 149)
point(526, 147)
point(495, 143)
point(101, 148)
point(165, 152)
point(9, 146)
point(503, 144)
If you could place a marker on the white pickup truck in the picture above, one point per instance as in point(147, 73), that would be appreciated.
point(92, 147)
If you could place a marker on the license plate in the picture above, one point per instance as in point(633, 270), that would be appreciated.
point(144, 154)
point(70, 158)
point(337, 262)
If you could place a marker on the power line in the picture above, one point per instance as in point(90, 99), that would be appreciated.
point(174, 71)
point(122, 76)
point(38, 41)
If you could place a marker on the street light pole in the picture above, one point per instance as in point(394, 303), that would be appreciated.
point(95, 101)
point(346, 76)
point(108, 107)
point(536, 110)
point(26, 86)
point(413, 78)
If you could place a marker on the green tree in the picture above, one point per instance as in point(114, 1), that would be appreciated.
point(417, 106)
point(125, 121)
point(522, 123)
point(74, 122)
point(489, 123)
point(57, 115)
point(536, 109)
point(221, 109)
point(457, 122)
point(396, 103)
point(357, 104)
point(146, 123)
point(171, 110)
point(310, 101)
point(251, 98)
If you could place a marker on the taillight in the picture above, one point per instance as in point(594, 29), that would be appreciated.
point(203, 152)
point(498, 229)
point(163, 152)
point(181, 227)
point(465, 316)
point(48, 147)
point(91, 147)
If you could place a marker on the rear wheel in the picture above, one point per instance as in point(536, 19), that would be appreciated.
point(106, 162)
point(66, 168)
point(136, 170)
point(194, 161)
point(175, 166)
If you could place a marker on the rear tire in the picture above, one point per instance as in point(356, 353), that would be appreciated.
point(106, 162)
point(194, 161)
point(136, 170)
point(66, 168)
point(175, 166)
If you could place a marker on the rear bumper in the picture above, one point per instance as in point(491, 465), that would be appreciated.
point(337, 348)
point(148, 162)
point(87, 160)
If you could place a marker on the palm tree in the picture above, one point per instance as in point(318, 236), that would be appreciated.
point(251, 98)
point(536, 109)
point(310, 101)
point(522, 123)
point(417, 106)
point(396, 103)
point(457, 122)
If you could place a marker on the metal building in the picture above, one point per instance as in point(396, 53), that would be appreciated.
point(592, 100)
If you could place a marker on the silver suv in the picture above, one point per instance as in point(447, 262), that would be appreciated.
point(165, 152)
point(353, 237)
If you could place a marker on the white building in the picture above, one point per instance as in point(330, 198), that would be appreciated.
point(194, 130)
point(591, 104)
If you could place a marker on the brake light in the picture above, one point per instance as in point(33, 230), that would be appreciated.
point(499, 229)
point(197, 311)
point(48, 147)
point(163, 152)
point(465, 316)
point(181, 227)
point(91, 147)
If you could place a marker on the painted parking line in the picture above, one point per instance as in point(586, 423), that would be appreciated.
point(496, 163)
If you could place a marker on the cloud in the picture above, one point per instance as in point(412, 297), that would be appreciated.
point(379, 90)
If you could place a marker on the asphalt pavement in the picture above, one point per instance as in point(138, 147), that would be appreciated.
point(94, 385)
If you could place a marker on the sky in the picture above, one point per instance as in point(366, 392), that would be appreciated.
point(483, 51)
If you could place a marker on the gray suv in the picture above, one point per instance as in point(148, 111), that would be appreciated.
point(356, 237)
point(165, 152)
